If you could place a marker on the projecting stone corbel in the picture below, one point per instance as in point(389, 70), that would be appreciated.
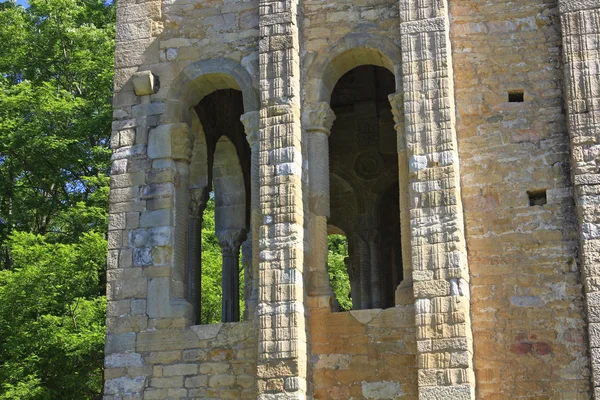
point(144, 83)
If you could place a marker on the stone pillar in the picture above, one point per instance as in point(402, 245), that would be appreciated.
point(354, 276)
point(198, 200)
point(375, 256)
point(404, 292)
point(317, 120)
point(251, 121)
point(364, 250)
point(282, 352)
point(439, 260)
point(230, 241)
point(580, 29)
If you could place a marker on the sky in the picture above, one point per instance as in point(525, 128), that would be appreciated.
point(22, 3)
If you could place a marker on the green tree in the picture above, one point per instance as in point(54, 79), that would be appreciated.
point(52, 317)
point(338, 273)
point(56, 71)
point(56, 61)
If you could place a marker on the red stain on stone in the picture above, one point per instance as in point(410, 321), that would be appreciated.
point(542, 348)
point(539, 348)
point(521, 348)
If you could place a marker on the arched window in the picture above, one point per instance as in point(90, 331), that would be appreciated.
point(364, 189)
point(225, 179)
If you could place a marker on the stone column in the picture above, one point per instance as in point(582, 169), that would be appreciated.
point(230, 241)
point(364, 253)
point(198, 200)
point(251, 121)
point(404, 292)
point(282, 352)
point(375, 256)
point(317, 120)
point(439, 260)
point(580, 29)
point(354, 276)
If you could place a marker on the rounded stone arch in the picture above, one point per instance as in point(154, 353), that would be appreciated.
point(200, 79)
point(354, 50)
point(198, 176)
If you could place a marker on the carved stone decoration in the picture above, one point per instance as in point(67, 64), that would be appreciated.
point(397, 102)
point(230, 241)
point(251, 121)
point(369, 165)
point(318, 117)
point(198, 199)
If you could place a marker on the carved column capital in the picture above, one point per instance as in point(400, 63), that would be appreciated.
point(230, 241)
point(397, 102)
point(198, 200)
point(318, 117)
point(251, 121)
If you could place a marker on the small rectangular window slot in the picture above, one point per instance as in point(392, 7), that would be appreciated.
point(517, 96)
point(537, 197)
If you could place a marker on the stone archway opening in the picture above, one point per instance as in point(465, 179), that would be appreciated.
point(227, 180)
point(363, 150)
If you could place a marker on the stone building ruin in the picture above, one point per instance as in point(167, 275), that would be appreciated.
point(454, 143)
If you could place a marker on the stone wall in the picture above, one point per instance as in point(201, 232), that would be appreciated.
point(499, 253)
point(202, 362)
point(527, 297)
point(364, 354)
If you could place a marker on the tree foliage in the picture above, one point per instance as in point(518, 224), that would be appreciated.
point(55, 90)
point(338, 273)
point(56, 69)
point(52, 313)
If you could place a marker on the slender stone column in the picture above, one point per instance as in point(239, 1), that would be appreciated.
point(230, 241)
point(251, 121)
point(282, 348)
point(375, 256)
point(581, 29)
point(198, 200)
point(364, 252)
point(354, 276)
point(404, 292)
point(317, 120)
point(439, 259)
